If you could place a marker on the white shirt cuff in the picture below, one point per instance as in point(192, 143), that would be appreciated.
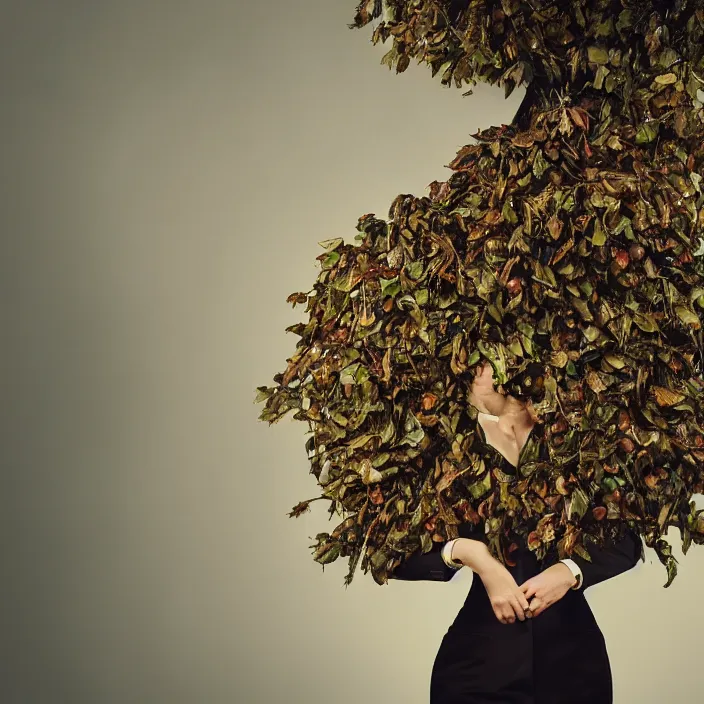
point(445, 552)
point(574, 568)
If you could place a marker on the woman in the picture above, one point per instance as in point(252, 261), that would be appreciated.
point(523, 636)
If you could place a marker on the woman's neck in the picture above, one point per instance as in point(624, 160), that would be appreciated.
point(510, 410)
point(488, 401)
point(513, 428)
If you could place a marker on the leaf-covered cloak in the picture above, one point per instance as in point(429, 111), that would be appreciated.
point(566, 248)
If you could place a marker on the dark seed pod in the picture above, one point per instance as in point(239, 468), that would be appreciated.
point(636, 252)
point(514, 286)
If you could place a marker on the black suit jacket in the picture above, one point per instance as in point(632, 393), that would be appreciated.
point(607, 562)
point(558, 657)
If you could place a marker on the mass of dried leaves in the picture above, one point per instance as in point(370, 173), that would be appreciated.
point(571, 238)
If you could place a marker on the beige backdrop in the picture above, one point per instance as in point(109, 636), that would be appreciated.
point(168, 168)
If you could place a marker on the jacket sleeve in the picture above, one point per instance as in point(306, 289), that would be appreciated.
point(609, 561)
point(426, 566)
point(430, 565)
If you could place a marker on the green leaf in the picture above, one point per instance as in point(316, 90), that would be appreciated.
point(331, 244)
point(390, 287)
point(647, 132)
point(540, 165)
point(598, 235)
point(645, 322)
point(354, 374)
point(330, 261)
point(578, 504)
point(598, 55)
point(414, 269)
point(421, 295)
point(688, 317)
point(263, 393)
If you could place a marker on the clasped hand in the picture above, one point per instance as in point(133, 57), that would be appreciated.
point(510, 601)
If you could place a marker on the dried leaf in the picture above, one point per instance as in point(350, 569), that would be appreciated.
point(667, 397)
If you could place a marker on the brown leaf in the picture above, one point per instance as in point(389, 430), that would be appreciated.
point(595, 383)
point(666, 397)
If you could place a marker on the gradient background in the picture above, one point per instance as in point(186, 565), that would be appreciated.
point(168, 169)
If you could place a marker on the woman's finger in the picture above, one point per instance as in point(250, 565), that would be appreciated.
point(541, 605)
point(522, 600)
point(528, 589)
point(507, 613)
point(517, 608)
